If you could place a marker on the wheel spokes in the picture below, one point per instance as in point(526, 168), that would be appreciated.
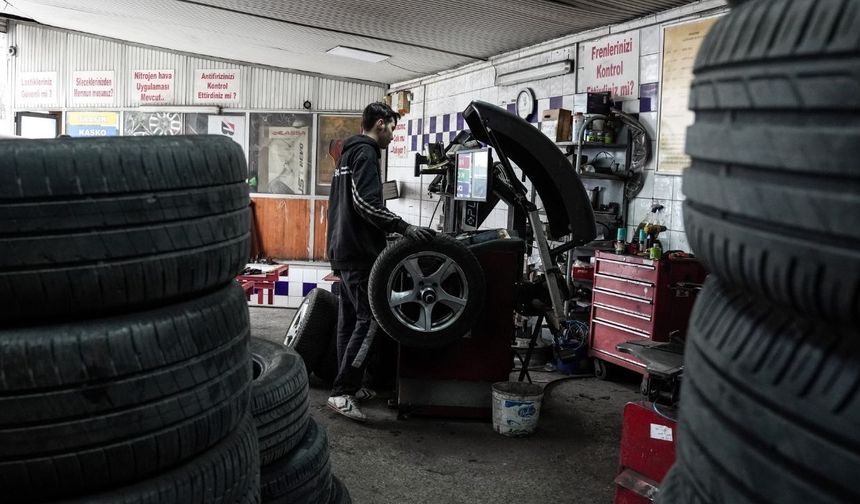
point(401, 297)
point(443, 272)
point(425, 317)
point(414, 269)
point(453, 302)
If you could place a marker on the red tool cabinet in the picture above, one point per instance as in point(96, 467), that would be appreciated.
point(637, 298)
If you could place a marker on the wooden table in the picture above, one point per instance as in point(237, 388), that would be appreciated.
point(262, 282)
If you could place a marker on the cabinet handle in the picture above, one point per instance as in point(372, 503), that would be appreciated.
point(635, 265)
point(622, 295)
point(622, 311)
point(626, 280)
point(621, 327)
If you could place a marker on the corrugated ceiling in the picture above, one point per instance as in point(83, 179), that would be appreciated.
point(422, 37)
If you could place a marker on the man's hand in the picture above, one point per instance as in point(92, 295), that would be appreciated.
point(419, 234)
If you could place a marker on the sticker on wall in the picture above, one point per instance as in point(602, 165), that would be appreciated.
point(611, 64)
point(93, 87)
point(229, 126)
point(218, 85)
point(92, 124)
point(36, 88)
point(152, 87)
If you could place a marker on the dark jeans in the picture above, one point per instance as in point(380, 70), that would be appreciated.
point(356, 331)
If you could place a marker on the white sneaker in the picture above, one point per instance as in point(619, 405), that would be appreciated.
point(365, 394)
point(346, 406)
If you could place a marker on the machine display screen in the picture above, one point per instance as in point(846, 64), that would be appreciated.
point(473, 175)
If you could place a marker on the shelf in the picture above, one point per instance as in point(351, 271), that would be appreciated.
point(602, 176)
point(593, 145)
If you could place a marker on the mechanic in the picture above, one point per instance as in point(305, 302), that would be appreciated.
point(357, 226)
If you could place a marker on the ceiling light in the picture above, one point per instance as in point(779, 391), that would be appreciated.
point(359, 54)
point(535, 73)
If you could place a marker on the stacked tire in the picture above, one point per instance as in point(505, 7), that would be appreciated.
point(293, 447)
point(770, 409)
point(124, 366)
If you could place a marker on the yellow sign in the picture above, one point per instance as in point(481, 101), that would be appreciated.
point(680, 45)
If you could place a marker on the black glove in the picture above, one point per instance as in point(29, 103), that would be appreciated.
point(419, 234)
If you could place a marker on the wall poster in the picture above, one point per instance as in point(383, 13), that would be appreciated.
point(333, 131)
point(680, 45)
point(280, 153)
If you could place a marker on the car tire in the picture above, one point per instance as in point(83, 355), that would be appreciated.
point(454, 291)
point(228, 473)
point(770, 408)
point(339, 493)
point(768, 204)
point(312, 326)
point(279, 401)
point(95, 227)
point(303, 476)
point(90, 405)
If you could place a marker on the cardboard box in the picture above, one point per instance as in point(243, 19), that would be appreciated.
point(557, 124)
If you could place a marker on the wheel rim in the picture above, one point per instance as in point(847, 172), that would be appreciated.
point(427, 291)
point(293, 330)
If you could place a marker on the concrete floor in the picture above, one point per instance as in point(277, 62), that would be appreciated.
point(571, 458)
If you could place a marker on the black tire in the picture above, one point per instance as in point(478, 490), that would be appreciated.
point(769, 203)
point(226, 474)
point(677, 489)
point(101, 226)
point(770, 408)
point(312, 325)
point(304, 475)
point(279, 401)
point(339, 492)
point(403, 326)
point(602, 369)
point(328, 366)
point(92, 405)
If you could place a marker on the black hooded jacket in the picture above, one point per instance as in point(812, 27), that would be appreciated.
point(357, 219)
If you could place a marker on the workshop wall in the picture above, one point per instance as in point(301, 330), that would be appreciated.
point(439, 100)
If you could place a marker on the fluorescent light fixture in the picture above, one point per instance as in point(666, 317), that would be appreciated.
point(359, 54)
point(183, 109)
point(535, 73)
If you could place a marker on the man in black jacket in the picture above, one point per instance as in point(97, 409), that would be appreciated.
point(357, 225)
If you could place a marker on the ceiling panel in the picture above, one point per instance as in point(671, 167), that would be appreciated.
point(421, 37)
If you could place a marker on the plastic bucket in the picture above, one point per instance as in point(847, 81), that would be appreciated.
point(516, 408)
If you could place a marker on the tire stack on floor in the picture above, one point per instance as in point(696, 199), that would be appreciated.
point(124, 366)
point(293, 447)
point(770, 407)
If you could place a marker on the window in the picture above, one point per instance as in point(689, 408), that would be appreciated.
point(279, 154)
point(152, 123)
point(333, 131)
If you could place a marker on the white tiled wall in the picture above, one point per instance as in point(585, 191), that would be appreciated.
point(299, 277)
point(436, 96)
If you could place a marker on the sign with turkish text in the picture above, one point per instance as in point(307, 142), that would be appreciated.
point(611, 64)
point(93, 87)
point(152, 87)
point(36, 88)
point(217, 85)
point(398, 147)
point(92, 124)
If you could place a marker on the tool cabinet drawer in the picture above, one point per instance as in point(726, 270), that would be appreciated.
point(622, 318)
point(623, 302)
point(605, 338)
point(636, 288)
point(628, 267)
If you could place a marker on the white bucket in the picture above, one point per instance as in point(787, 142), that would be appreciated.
point(516, 408)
